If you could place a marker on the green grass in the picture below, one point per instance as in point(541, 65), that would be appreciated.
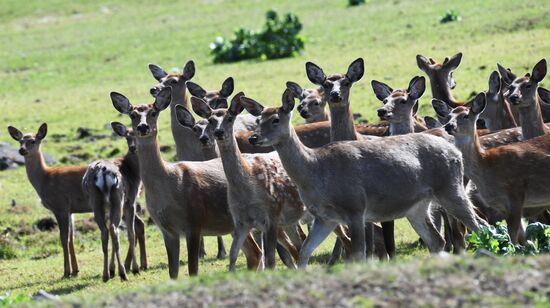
point(60, 60)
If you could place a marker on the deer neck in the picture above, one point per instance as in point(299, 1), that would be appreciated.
point(187, 145)
point(325, 116)
point(210, 153)
point(37, 170)
point(472, 154)
point(236, 168)
point(341, 125)
point(151, 165)
point(530, 118)
point(130, 166)
point(441, 90)
point(406, 126)
point(297, 159)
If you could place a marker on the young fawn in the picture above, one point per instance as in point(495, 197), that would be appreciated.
point(184, 198)
point(312, 106)
point(337, 88)
point(260, 193)
point(112, 187)
point(421, 166)
point(60, 190)
point(510, 178)
point(187, 146)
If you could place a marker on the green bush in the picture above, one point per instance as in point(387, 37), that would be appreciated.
point(8, 299)
point(450, 16)
point(279, 38)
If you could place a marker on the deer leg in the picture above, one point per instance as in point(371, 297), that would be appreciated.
point(420, 219)
point(515, 227)
point(368, 231)
point(139, 226)
point(319, 231)
point(287, 243)
point(455, 202)
point(117, 206)
point(389, 237)
point(293, 235)
point(129, 217)
point(172, 245)
point(358, 232)
point(74, 262)
point(270, 245)
point(252, 252)
point(285, 256)
point(63, 223)
point(239, 236)
point(194, 239)
point(447, 229)
point(221, 249)
point(202, 251)
point(457, 236)
point(99, 217)
point(336, 252)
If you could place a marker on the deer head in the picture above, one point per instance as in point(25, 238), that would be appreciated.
point(29, 143)
point(175, 81)
point(399, 105)
point(336, 87)
point(201, 128)
point(461, 120)
point(443, 71)
point(122, 131)
point(312, 101)
point(144, 117)
point(522, 91)
point(214, 99)
point(274, 123)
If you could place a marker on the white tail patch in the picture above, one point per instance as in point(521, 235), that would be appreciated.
point(105, 180)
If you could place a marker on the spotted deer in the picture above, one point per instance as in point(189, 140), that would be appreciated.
point(60, 191)
point(312, 106)
point(184, 198)
point(337, 88)
point(422, 166)
point(510, 178)
point(219, 99)
point(188, 147)
point(260, 193)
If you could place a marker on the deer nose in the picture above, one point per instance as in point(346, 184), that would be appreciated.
point(143, 128)
point(204, 139)
point(23, 151)
point(381, 112)
point(218, 133)
point(334, 95)
point(299, 108)
point(132, 148)
point(154, 91)
point(514, 98)
point(253, 139)
point(449, 128)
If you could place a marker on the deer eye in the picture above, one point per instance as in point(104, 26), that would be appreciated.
point(229, 119)
point(154, 114)
point(345, 83)
point(316, 103)
point(33, 141)
point(327, 84)
point(465, 117)
point(257, 120)
point(403, 101)
point(173, 81)
point(528, 86)
point(275, 121)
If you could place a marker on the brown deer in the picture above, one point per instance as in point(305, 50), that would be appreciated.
point(260, 193)
point(312, 103)
point(112, 187)
point(60, 190)
point(510, 177)
point(188, 147)
point(185, 198)
point(337, 88)
point(358, 179)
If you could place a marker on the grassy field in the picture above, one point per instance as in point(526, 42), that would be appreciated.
point(60, 60)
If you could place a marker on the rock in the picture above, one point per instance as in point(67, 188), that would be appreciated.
point(46, 224)
point(83, 132)
point(10, 157)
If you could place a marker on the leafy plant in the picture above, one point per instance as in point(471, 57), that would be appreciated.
point(450, 16)
point(279, 38)
point(8, 299)
point(356, 2)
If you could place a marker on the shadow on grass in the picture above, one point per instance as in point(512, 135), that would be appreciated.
point(69, 289)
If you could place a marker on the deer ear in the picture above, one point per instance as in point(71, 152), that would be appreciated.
point(478, 104)
point(288, 101)
point(415, 108)
point(381, 90)
point(422, 62)
point(184, 117)
point(431, 122)
point(236, 106)
point(453, 62)
point(188, 70)
point(195, 89)
point(441, 108)
point(494, 83)
point(506, 74)
point(121, 103)
point(539, 71)
point(252, 106)
point(163, 99)
point(119, 129)
point(544, 95)
point(200, 107)
point(295, 88)
point(417, 86)
point(15, 133)
point(227, 87)
point(157, 71)
point(42, 131)
point(356, 70)
point(315, 74)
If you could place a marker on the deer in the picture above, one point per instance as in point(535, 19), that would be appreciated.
point(188, 147)
point(184, 198)
point(218, 99)
point(432, 170)
point(312, 103)
point(442, 83)
point(260, 193)
point(112, 186)
point(509, 178)
point(337, 89)
point(60, 191)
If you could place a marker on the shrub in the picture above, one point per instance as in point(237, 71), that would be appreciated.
point(279, 38)
point(9, 299)
point(450, 16)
